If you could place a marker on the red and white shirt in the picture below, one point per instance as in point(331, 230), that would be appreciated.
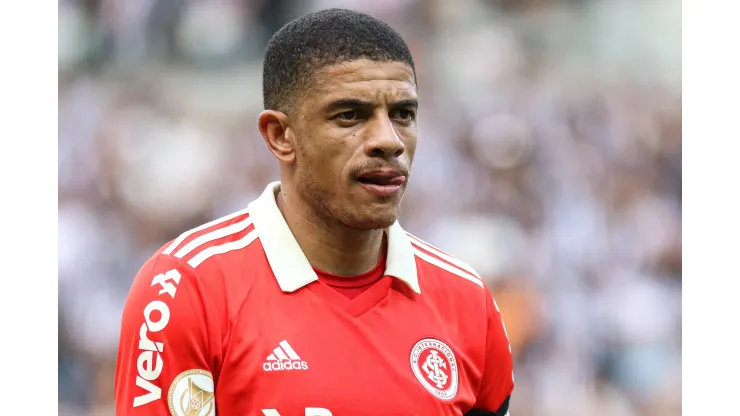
point(231, 319)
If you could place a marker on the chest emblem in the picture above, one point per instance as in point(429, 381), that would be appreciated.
point(435, 366)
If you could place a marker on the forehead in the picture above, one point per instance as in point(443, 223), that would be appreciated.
point(363, 79)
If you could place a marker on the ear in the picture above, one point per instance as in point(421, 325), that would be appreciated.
point(278, 135)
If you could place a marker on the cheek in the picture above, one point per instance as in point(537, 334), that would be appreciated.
point(410, 144)
point(337, 150)
point(324, 163)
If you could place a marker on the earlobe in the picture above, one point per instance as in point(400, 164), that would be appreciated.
point(277, 134)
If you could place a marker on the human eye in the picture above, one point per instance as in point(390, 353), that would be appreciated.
point(403, 114)
point(351, 115)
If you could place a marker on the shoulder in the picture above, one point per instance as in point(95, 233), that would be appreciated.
point(217, 256)
point(233, 232)
point(438, 269)
point(210, 264)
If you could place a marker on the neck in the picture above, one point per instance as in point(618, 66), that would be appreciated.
point(330, 245)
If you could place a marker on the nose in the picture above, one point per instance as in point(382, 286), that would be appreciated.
point(384, 142)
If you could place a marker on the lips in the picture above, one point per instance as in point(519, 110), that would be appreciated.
point(383, 177)
point(382, 183)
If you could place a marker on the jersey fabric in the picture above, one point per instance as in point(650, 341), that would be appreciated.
point(231, 319)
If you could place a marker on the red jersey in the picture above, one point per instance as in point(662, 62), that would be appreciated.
point(231, 319)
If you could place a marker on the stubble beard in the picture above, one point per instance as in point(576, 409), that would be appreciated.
point(332, 209)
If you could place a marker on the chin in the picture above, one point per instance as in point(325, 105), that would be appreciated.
point(373, 220)
point(365, 215)
point(372, 224)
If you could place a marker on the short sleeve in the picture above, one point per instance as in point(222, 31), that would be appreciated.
point(498, 381)
point(167, 342)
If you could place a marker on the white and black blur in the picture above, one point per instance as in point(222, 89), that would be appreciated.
point(549, 158)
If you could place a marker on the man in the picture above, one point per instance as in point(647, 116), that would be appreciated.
point(313, 300)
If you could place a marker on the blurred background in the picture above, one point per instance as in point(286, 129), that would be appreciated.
point(549, 158)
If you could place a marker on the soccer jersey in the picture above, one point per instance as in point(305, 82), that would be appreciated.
point(231, 319)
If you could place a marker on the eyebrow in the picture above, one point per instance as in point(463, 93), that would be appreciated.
point(349, 103)
point(362, 104)
point(409, 103)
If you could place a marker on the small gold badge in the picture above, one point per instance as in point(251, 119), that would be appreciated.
point(192, 394)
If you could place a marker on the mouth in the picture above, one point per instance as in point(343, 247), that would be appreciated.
point(382, 182)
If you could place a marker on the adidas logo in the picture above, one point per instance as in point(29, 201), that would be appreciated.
point(284, 358)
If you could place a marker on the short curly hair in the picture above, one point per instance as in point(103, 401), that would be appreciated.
point(320, 39)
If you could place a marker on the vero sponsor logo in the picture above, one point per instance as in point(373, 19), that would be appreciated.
point(284, 358)
point(149, 364)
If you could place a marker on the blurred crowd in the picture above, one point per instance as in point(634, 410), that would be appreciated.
point(549, 158)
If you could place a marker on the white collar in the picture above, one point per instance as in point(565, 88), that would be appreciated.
point(290, 266)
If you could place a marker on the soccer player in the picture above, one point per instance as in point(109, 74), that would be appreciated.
point(313, 300)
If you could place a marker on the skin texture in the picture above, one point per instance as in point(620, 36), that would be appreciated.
point(323, 147)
